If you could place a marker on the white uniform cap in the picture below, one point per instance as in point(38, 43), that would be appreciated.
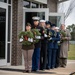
point(36, 18)
point(56, 27)
point(42, 21)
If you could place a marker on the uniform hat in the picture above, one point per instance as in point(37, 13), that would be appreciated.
point(53, 25)
point(35, 18)
point(48, 22)
point(42, 21)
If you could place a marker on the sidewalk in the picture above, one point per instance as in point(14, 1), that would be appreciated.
point(18, 70)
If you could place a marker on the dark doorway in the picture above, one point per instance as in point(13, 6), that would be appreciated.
point(29, 15)
point(2, 32)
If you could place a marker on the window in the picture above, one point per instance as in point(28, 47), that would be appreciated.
point(55, 20)
point(34, 5)
point(9, 22)
point(26, 4)
point(9, 1)
point(8, 53)
point(3, 1)
point(44, 5)
point(41, 5)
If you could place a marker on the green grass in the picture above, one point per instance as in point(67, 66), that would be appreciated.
point(71, 52)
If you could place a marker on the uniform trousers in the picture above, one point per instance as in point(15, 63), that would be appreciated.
point(36, 59)
point(43, 55)
point(53, 59)
point(49, 58)
point(58, 57)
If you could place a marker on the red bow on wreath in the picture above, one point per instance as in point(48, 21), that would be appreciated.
point(26, 38)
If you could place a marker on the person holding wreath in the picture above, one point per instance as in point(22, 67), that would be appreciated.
point(64, 46)
point(36, 53)
point(26, 37)
point(43, 52)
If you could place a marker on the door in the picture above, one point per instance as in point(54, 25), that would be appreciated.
point(3, 34)
point(29, 13)
point(57, 18)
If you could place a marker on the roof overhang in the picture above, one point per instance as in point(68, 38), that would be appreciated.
point(60, 1)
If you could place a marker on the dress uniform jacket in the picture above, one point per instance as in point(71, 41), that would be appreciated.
point(40, 30)
point(56, 39)
point(50, 43)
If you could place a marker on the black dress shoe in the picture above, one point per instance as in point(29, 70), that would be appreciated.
point(63, 66)
point(52, 67)
point(28, 71)
point(24, 71)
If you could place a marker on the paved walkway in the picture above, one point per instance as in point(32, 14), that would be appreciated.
point(18, 70)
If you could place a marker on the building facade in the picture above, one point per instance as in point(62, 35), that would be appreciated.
point(14, 14)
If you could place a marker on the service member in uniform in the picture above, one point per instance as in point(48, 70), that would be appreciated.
point(43, 53)
point(36, 53)
point(49, 45)
point(54, 41)
point(57, 47)
point(55, 50)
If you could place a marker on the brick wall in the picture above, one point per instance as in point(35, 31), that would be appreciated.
point(52, 5)
point(17, 22)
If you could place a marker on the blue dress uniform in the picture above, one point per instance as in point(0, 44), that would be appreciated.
point(49, 50)
point(36, 53)
point(55, 39)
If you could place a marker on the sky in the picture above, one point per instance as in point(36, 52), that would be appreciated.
point(71, 18)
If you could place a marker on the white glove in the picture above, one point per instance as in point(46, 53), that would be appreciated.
point(37, 37)
point(21, 39)
point(58, 41)
point(30, 39)
point(45, 35)
point(50, 38)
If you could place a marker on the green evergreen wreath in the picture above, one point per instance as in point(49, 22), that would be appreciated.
point(36, 33)
point(25, 35)
point(63, 33)
point(50, 34)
